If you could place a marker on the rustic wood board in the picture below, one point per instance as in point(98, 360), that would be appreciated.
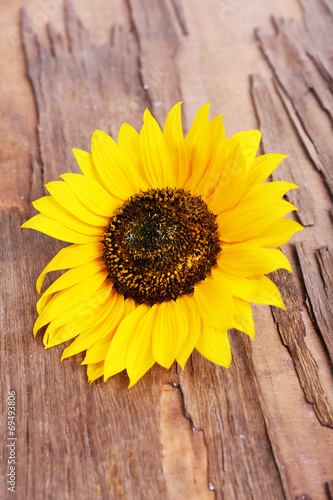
point(261, 429)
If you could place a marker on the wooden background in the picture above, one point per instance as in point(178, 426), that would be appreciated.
point(261, 430)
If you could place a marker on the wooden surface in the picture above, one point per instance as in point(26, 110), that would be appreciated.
point(261, 430)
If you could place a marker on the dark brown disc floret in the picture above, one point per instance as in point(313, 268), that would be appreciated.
point(159, 244)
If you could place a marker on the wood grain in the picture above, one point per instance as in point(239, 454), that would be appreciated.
point(158, 47)
point(207, 431)
point(183, 450)
point(116, 452)
point(290, 323)
point(329, 488)
point(325, 260)
point(270, 125)
point(318, 42)
point(320, 297)
point(70, 72)
point(228, 405)
point(292, 330)
point(73, 439)
point(309, 95)
point(18, 113)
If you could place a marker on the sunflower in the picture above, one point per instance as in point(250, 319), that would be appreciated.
point(171, 238)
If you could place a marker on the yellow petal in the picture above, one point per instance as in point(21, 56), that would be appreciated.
point(63, 334)
point(140, 357)
point(103, 330)
point(72, 277)
point(115, 360)
point(214, 304)
point(155, 153)
point(214, 345)
point(94, 371)
point(118, 174)
point(77, 321)
point(268, 191)
point(194, 329)
point(211, 176)
point(72, 256)
point(231, 185)
point(100, 328)
point(91, 194)
point(243, 319)
point(262, 167)
point(218, 132)
point(277, 234)
point(129, 143)
point(49, 207)
point(199, 145)
point(67, 299)
point(83, 342)
point(249, 141)
point(245, 260)
point(118, 312)
point(199, 124)
point(98, 351)
point(173, 133)
point(86, 164)
point(43, 303)
point(70, 323)
point(248, 220)
point(53, 228)
point(258, 289)
point(169, 329)
point(62, 193)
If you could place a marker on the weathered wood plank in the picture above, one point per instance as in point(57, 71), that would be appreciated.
point(226, 403)
point(290, 323)
point(81, 92)
point(159, 43)
point(228, 406)
point(298, 76)
point(244, 481)
point(271, 125)
point(292, 330)
point(18, 114)
point(183, 450)
point(81, 453)
point(320, 300)
point(64, 69)
point(122, 456)
point(325, 260)
point(318, 42)
point(285, 69)
point(329, 489)
point(104, 441)
point(180, 15)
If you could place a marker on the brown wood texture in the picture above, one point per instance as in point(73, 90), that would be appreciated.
point(290, 324)
point(320, 296)
point(261, 429)
point(270, 125)
point(304, 83)
point(329, 487)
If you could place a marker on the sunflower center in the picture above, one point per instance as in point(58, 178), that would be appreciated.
point(159, 244)
point(151, 234)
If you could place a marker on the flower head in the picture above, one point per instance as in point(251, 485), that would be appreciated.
point(171, 238)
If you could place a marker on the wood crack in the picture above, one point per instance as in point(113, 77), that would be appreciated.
point(271, 126)
point(292, 331)
point(159, 44)
point(287, 55)
point(320, 294)
point(240, 419)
